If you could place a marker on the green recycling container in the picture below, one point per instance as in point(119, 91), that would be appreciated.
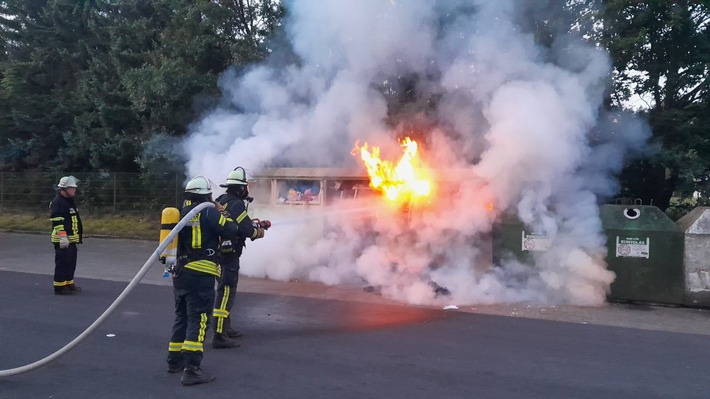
point(645, 250)
point(511, 239)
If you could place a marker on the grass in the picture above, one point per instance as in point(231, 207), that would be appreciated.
point(119, 226)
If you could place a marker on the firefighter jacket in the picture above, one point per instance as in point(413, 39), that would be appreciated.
point(65, 217)
point(237, 209)
point(198, 241)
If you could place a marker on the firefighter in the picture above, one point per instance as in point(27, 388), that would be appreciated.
point(194, 280)
point(235, 202)
point(67, 231)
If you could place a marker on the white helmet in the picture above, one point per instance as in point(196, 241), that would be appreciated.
point(199, 185)
point(67, 182)
point(237, 177)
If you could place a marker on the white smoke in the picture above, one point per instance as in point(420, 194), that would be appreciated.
point(517, 128)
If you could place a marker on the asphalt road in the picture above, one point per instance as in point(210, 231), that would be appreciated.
point(301, 345)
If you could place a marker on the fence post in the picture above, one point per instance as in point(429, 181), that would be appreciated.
point(114, 193)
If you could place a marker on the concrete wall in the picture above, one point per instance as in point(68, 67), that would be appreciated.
point(696, 227)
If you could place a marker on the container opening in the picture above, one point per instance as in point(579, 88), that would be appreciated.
point(632, 213)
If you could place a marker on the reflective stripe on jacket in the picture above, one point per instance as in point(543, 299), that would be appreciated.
point(237, 209)
point(64, 216)
point(198, 241)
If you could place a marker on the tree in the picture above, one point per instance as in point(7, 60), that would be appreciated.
point(661, 51)
point(103, 77)
point(44, 50)
point(249, 23)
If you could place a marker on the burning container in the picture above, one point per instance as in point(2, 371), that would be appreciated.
point(511, 238)
point(645, 250)
point(696, 228)
point(302, 194)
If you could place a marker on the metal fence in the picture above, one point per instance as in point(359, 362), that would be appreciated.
point(98, 192)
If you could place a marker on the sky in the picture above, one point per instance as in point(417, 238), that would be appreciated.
point(516, 125)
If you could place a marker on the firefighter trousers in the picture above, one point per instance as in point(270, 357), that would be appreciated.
point(64, 265)
point(226, 292)
point(194, 296)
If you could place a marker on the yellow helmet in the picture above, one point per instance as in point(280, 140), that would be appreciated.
point(68, 182)
point(199, 185)
point(237, 177)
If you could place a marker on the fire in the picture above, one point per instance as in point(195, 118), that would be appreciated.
point(401, 182)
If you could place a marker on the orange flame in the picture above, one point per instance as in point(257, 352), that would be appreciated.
point(399, 183)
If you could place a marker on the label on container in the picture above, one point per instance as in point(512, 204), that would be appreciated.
point(535, 242)
point(632, 247)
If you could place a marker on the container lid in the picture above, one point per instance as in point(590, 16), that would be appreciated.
point(635, 217)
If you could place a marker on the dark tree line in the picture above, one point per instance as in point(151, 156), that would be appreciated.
point(661, 51)
point(87, 85)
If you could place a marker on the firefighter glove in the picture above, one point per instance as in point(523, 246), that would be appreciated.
point(63, 239)
point(261, 224)
point(258, 233)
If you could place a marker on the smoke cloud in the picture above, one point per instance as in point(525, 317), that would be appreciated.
point(517, 126)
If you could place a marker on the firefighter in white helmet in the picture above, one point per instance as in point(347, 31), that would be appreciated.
point(193, 281)
point(235, 202)
point(67, 231)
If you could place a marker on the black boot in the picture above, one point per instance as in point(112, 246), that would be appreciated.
point(176, 362)
point(62, 291)
point(221, 341)
point(195, 375)
point(175, 367)
point(73, 288)
point(233, 333)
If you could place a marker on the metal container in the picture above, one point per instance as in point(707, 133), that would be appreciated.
point(645, 250)
point(512, 240)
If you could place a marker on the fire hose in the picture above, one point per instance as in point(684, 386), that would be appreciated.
point(138, 277)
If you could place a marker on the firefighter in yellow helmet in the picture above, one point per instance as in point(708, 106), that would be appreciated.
point(67, 231)
point(193, 281)
point(235, 202)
